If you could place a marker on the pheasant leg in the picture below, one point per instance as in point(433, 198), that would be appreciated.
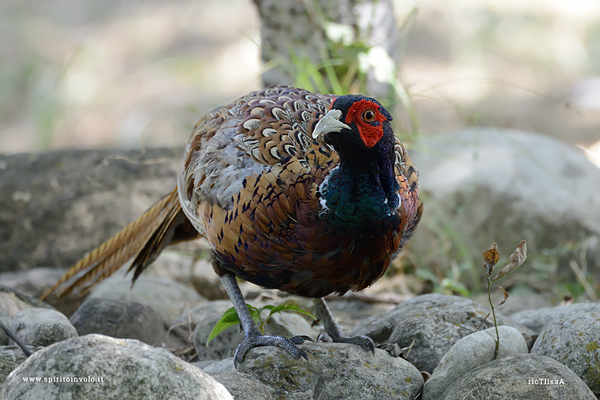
point(333, 330)
point(253, 337)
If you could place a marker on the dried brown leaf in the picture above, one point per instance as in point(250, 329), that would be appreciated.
point(516, 259)
point(505, 293)
point(426, 375)
point(568, 299)
point(491, 257)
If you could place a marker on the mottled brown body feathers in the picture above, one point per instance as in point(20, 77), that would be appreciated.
point(267, 227)
point(250, 184)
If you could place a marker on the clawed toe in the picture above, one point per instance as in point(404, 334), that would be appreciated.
point(324, 337)
point(362, 341)
point(286, 344)
point(301, 339)
point(333, 333)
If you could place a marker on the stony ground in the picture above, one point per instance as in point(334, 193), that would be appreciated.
point(118, 345)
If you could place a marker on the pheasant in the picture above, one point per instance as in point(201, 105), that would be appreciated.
point(307, 193)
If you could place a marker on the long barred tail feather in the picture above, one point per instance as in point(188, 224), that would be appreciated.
point(161, 225)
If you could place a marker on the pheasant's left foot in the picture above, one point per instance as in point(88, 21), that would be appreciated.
point(360, 340)
point(333, 332)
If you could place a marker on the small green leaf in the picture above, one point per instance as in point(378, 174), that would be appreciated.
point(254, 313)
point(229, 318)
point(267, 307)
point(289, 307)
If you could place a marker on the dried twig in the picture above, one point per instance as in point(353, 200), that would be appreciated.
point(581, 278)
point(14, 337)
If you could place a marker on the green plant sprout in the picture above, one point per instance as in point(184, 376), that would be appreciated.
point(491, 257)
point(230, 317)
point(345, 57)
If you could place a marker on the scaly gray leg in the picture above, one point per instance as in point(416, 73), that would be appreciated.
point(253, 337)
point(335, 332)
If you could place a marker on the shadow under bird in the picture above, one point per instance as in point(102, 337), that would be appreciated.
point(307, 193)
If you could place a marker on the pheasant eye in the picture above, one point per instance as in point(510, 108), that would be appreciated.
point(368, 115)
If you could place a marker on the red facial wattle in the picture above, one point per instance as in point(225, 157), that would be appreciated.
point(370, 132)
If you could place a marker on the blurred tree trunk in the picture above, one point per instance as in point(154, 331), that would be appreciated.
point(295, 28)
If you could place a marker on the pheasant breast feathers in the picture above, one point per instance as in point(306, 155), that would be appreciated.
point(307, 193)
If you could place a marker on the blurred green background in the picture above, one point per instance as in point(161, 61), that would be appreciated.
point(136, 73)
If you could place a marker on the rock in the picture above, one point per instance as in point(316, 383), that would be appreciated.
point(536, 320)
point(122, 319)
point(209, 287)
point(13, 301)
point(288, 324)
point(430, 325)
point(520, 377)
point(349, 313)
point(10, 358)
point(168, 297)
point(61, 204)
point(42, 327)
point(7, 321)
point(333, 371)
point(499, 185)
point(202, 364)
point(470, 352)
point(574, 340)
point(225, 365)
point(194, 272)
point(114, 369)
point(33, 282)
point(243, 386)
point(189, 318)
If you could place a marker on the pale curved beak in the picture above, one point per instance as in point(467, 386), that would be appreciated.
point(329, 123)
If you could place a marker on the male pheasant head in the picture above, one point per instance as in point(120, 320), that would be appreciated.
point(363, 188)
point(354, 121)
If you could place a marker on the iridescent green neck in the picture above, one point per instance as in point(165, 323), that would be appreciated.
point(358, 199)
